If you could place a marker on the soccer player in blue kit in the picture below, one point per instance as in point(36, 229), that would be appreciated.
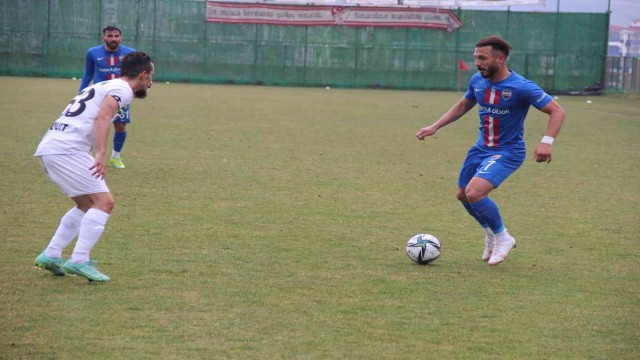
point(504, 98)
point(103, 63)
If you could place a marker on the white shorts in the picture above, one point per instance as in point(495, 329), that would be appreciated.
point(72, 175)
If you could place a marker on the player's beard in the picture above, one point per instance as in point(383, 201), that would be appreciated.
point(140, 94)
point(491, 70)
point(113, 46)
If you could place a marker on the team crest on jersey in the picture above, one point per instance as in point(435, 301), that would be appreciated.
point(506, 94)
point(496, 157)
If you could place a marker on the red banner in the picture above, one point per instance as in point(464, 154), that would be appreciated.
point(328, 16)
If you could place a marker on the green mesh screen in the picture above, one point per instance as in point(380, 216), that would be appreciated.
point(50, 38)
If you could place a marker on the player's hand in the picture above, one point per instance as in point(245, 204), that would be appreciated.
point(542, 153)
point(99, 167)
point(426, 131)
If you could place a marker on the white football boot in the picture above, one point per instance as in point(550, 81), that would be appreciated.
point(489, 242)
point(502, 246)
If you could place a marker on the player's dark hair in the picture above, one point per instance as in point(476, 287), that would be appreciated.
point(134, 63)
point(497, 44)
point(111, 28)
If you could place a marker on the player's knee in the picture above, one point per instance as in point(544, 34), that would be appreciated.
point(105, 203)
point(461, 196)
point(109, 206)
point(473, 195)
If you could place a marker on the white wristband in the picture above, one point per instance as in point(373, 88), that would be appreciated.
point(547, 140)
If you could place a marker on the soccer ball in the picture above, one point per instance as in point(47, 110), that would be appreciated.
point(423, 248)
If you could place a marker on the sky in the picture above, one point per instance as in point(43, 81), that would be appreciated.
point(622, 11)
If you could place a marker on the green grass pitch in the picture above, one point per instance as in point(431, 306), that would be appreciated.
point(270, 223)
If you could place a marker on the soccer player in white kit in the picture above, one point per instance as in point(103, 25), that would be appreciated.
point(65, 155)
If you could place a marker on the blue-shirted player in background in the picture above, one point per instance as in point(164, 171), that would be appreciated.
point(103, 63)
point(504, 97)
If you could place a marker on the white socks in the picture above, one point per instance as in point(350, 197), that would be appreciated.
point(503, 236)
point(67, 231)
point(115, 154)
point(91, 229)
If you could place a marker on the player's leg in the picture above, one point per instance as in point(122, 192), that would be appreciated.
point(488, 234)
point(468, 170)
point(51, 258)
point(477, 195)
point(91, 229)
point(67, 231)
point(69, 227)
point(92, 197)
point(119, 136)
point(492, 172)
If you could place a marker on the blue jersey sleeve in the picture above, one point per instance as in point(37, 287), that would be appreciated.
point(535, 95)
point(470, 94)
point(127, 49)
point(88, 71)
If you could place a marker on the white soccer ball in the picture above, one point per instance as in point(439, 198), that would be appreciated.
point(423, 248)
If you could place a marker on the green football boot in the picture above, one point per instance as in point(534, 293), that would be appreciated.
point(117, 163)
point(54, 265)
point(86, 269)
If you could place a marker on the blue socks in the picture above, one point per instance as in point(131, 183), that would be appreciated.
point(118, 140)
point(486, 212)
point(474, 214)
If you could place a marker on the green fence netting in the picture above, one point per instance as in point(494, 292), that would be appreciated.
point(560, 51)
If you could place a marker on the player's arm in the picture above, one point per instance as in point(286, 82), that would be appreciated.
point(556, 114)
point(101, 126)
point(88, 72)
point(456, 112)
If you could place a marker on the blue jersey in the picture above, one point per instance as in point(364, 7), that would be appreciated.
point(503, 107)
point(102, 65)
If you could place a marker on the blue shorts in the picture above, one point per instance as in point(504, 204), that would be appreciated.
point(495, 166)
point(123, 116)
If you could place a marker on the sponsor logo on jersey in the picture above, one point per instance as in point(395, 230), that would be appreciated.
point(110, 70)
point(495, 111)
point(496, 157)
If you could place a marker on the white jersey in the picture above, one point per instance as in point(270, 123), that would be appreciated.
point(72, 132)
